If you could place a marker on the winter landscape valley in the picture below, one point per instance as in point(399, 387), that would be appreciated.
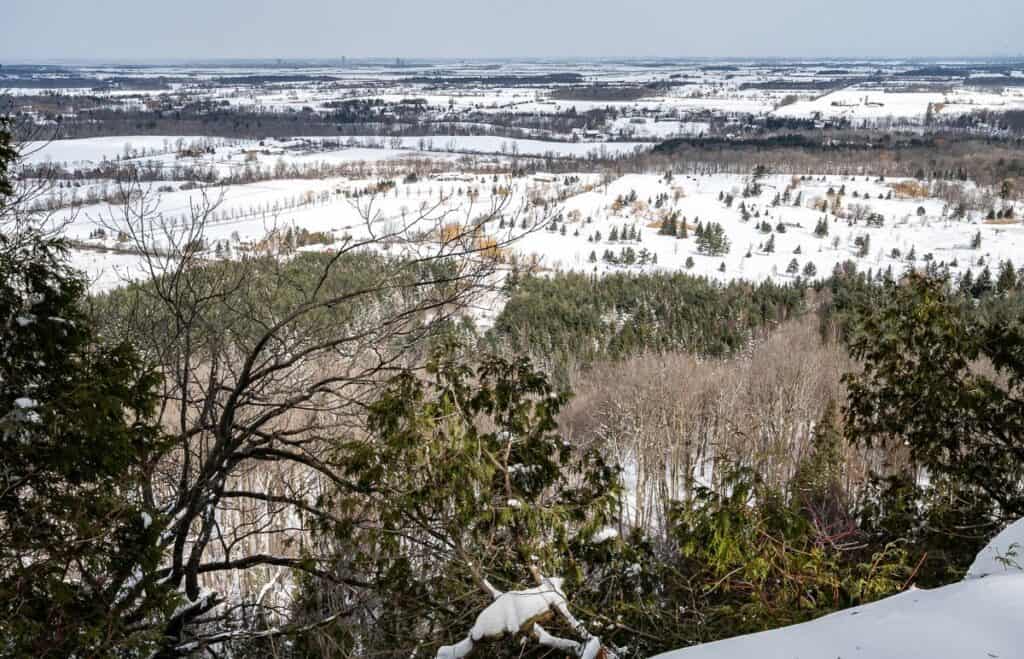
point(469, 355)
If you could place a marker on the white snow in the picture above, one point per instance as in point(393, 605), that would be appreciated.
point(25, 403)
point(1005, 553)
point(514, 609)
point(604, 535)
point(509, 613)
point(975, 618)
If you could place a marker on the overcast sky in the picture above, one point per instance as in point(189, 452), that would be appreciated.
point(197, 29)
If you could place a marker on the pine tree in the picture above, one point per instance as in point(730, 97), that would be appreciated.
point(863, 245)
point(1007, 279)
point(793, 267)
point(983, 284)
point(816, 485)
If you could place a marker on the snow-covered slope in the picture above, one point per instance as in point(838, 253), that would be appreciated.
point(1005, 554)
point(978, 618)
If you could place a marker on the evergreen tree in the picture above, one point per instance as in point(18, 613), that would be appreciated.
point(816, 485)
point(78, 550)
point(863, 244)
point(467, 464)
point(1007, 279)
point(919, 387)
point(7, 157)
point(983, 283)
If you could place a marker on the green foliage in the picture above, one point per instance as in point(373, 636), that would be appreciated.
point(920, 345)
point(240, 299)
point(817, 477)
point(465, 478)
point(750, 561)
point(7, 156)
point(712, 240)
point(77, 559)
point(944, 523)
point(574, 317)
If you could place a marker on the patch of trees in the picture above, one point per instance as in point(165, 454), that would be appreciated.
point(579, 317)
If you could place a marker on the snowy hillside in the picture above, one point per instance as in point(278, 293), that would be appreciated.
point(981, 617)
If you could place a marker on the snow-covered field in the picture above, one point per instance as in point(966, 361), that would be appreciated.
point(867, 104)
point(231, 156)
point(672, 94)
point(587, 214)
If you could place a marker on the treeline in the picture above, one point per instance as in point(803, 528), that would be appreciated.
point(948, 157)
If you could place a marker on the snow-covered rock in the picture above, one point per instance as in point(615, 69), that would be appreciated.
point(979, 618)
point(1004, 554)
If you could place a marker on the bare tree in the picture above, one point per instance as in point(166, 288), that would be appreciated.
point(266, 360)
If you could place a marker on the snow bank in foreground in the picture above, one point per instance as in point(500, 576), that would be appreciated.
point(1004, 554)
point(976, 618)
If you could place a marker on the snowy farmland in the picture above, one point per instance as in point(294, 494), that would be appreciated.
point(790, 226)
point(463, 130)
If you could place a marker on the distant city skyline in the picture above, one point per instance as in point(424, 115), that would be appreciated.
point(188, 30)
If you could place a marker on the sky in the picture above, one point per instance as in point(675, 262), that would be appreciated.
point(38, 30)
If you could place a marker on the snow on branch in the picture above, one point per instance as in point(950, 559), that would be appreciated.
point(520, 612)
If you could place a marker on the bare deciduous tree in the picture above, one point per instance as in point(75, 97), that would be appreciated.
point(266, 360)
